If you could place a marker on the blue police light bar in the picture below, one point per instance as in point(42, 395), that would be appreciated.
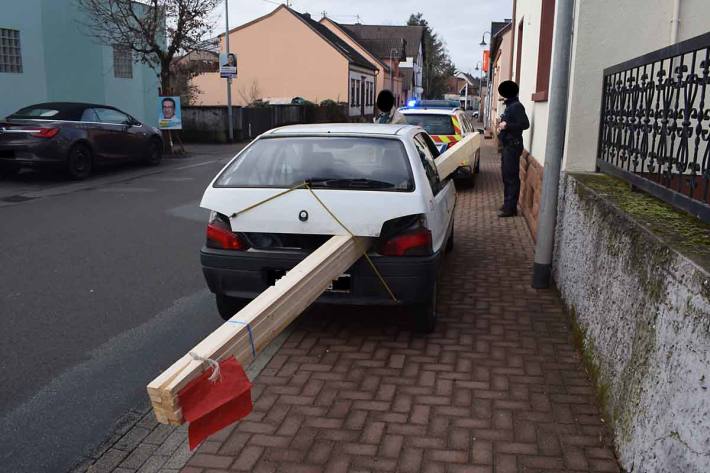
point(412, 103)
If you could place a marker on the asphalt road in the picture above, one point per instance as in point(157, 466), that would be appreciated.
point(100, 289)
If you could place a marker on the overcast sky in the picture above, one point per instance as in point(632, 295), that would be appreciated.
point(460, 23)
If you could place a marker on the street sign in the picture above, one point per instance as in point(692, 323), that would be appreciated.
point(228, 65)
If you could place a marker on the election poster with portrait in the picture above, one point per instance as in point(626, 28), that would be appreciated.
point(169, 113)
point(228, 65)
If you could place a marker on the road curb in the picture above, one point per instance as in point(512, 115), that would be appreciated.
point(139, 444)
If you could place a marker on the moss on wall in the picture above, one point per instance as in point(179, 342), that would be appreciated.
point(681, 231)
point(626, 277)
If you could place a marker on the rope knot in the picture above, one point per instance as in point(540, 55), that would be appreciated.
point(216, 375)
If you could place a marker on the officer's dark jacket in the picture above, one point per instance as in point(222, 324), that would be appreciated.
point(516, 120)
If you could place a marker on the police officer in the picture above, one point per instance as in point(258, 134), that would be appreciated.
point(510, 132)
point(388, 113)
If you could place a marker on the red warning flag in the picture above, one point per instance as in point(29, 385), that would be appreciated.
point(211, 406)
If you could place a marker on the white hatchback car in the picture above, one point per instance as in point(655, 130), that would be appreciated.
point(381, 181)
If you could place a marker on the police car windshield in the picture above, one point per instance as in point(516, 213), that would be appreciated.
point(433, 124)
point(333, 162)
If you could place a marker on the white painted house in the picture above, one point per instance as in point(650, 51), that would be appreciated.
point(638, 300)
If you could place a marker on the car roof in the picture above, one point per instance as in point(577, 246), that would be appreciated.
point(429, 111)
point(340, 128)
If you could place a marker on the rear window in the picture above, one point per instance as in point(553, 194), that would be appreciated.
point(433, 124)
point(44, 113)
point(356, 163)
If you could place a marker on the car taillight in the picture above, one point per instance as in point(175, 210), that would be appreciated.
point(415, 242)
point(46, 132)
point(221, 237)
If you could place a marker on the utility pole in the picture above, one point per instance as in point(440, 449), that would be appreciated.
point(230, 126)
point(465, 100)
point(393, 52)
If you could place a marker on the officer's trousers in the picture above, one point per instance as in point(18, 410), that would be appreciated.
point(510, 170)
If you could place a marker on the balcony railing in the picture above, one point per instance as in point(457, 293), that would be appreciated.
point(655, 124)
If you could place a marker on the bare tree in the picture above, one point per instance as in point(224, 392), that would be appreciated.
point(251, 96)
point(186, 68)
point(156, 31)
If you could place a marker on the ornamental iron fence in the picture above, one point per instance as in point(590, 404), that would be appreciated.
point(655, 124)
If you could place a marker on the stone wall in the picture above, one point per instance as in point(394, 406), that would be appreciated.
point(633, 274)
point(530, 190)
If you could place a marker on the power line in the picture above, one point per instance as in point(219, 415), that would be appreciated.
point(288, 3)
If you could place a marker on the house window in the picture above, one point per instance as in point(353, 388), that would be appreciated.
point(122, 62)
point(519, 51)
point(357, 92)
point(353, 101)
point(547, 21)
point(10, 53)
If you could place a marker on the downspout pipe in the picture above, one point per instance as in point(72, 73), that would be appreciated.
point(675, 21)
point(554, 148)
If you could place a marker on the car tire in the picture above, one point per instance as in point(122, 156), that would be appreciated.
point(425, 315)
point(80, 161)
point(477, 168)
point(8, 170)
point(228, 306)
point(154, 154)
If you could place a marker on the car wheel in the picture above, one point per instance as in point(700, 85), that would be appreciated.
point(8, 170)
point(155, 153)
point(79, 161)
point(477, 168)
point(228, 306)
point(425, 314)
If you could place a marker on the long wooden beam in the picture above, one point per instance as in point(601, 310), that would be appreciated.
point(267, 316)
point(462, 154)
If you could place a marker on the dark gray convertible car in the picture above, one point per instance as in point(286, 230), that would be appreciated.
point(75, 137)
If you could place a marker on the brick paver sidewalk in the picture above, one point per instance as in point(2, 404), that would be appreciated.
point(498, 388)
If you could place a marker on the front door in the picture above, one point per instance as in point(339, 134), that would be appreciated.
point(116, 141)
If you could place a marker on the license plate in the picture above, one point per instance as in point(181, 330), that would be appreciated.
point(340, 285)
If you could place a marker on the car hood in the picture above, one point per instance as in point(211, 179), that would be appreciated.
point(362, 212)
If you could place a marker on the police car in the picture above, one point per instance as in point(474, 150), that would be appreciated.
point(446, 126)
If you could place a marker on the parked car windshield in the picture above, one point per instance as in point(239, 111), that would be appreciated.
point(359, 163)
point(433, 124)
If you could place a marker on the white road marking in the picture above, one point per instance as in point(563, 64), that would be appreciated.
point(172, 179)
point(197, 164)
point(134, 190)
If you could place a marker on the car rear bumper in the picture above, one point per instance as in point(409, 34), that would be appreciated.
point(247, 274)
point(38, 153)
